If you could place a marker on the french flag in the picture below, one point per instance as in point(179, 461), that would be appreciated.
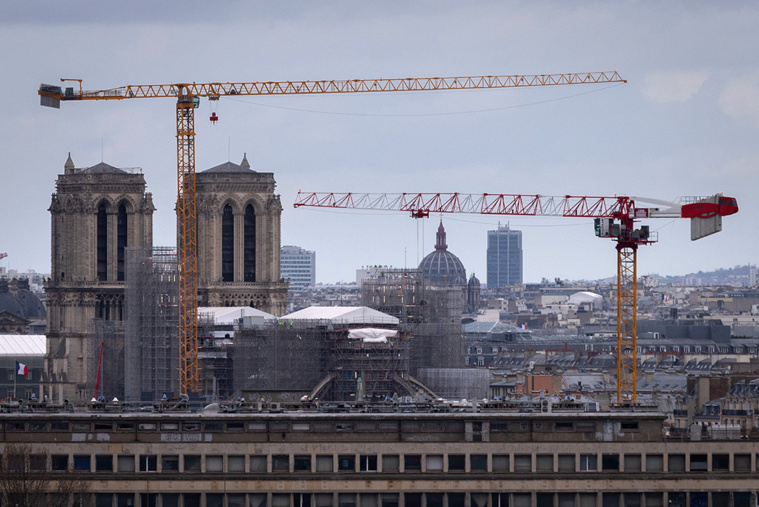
point(22, 369)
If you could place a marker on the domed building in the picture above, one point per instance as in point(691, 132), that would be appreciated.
point(19, 306)
point(441, 267)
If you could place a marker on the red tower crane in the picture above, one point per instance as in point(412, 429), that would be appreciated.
point(614, 218)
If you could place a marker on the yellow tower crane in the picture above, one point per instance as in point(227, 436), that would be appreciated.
point(188, 95)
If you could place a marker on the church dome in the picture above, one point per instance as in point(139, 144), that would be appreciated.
point(16, 298)
point(441, 267)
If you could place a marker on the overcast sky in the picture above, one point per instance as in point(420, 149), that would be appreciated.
point(686, 123)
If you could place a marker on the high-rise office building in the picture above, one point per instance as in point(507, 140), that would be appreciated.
point(504, 261)
point(299, 266)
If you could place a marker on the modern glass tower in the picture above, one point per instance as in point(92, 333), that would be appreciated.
point(504, 262)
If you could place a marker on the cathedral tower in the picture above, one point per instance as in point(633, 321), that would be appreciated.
point(96, 213)
point(239, 238)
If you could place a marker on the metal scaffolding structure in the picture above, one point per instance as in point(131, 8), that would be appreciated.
point(151, 340)
point(110, 335)
point(431, 315)
point(457, 383)
point(363, 369)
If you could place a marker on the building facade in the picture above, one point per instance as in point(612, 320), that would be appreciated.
point(239, 239)
point(298, 265)
point(504, 257)
point(96, 213)
point(249, 457)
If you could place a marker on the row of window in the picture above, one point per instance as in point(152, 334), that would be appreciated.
point(430, 499)
point(328, 463)
point(431, 426)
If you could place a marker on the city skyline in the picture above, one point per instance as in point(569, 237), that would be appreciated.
point(683, 125)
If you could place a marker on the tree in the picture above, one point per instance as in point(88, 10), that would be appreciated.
point(25, 481)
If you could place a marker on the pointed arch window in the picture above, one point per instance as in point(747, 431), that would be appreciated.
point(227, 245)
point(102, 243)
point(249, 238)
point(121, 242)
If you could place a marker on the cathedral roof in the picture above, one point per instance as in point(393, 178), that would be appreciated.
point(231, 167)
point(441, 266)
point(102, 168)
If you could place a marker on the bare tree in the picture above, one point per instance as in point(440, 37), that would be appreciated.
point(25, 481)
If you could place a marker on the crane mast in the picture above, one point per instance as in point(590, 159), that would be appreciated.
point(187, 96)
point(614, 218)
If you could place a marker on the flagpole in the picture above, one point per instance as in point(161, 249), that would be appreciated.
point(15, 379)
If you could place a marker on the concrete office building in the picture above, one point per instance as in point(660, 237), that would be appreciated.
point(504, 257)
point(517, 454)
point(298, 265)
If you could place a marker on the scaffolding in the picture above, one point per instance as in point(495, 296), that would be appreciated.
point(431, 314)
point(363, 369)
point(279, 356)
point(151, 339)
point(110, 335)
point(457, 383)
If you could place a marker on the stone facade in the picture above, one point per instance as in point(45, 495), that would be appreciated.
point(96, 212)
point(239, 239)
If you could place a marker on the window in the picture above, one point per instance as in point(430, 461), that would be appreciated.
point(104, 463)
point(588, 462)
point(544, 463)
point(434, 462)
point(82, 462)
point(214, 500)
point(676, 462)
point(212, 426)
point(478, 462)
point(654, 500)
point(346, 463)
point(324, 463)
point(258, 464)
point(191, 463)
point(698, 463)
point(522, 463)
point(742, 462)
point(302, 463)
point(632, 463)
point(249, 240)
point(170, 463)
point(566, 462)
point(227, 244)
point(125, 463)
point(610, 462)
point(720, 462)
point(456, 462)
point(148, 463)
point(390, 463)
point(280, 463)
point(214, 463)
point(368, 463)
point(37, 462)
point(500, 462)
point(412, 463)
point(59, 462)
point(654, 462)
point(236, 463)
